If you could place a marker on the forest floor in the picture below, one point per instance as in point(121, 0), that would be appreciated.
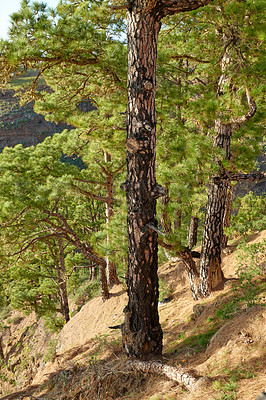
point(219, 338)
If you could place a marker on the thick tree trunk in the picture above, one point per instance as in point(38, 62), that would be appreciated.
point(111, 273)
point(211, 274)
point(141, 331)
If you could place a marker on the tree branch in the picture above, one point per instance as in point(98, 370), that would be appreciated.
point(122, 7)
point(252, 176)
point(170, 7)
point(252, 110)
point(91, 195)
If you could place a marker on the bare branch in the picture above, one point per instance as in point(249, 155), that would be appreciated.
point(170, 7)
point(116, 8)
point(91, 182)
point(91, 195)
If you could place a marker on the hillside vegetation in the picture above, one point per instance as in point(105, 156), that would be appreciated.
point(221, 338)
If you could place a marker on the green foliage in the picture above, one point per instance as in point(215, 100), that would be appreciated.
point(85, 291)
point(164, 290)
point(196, 343)
point(44, 225)
point(51, 350)
point(227, 388)
point(249, 288)
point(249, 215)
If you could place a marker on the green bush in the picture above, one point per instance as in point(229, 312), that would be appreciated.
point(249, 216)
point(248, 289)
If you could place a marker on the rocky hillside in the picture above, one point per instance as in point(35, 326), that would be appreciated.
point(20, 124)
point(220, 339)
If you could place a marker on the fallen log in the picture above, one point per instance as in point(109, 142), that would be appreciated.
point(176, 374)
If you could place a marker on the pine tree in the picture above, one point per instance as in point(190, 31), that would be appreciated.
point(45, 226)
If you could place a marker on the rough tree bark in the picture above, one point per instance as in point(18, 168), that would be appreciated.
point(177, 374)
point(211, 275)
point(141, 331)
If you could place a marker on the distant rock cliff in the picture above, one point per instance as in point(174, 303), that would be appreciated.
point(20, 124)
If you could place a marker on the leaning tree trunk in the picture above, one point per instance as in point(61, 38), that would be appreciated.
point(141, 331)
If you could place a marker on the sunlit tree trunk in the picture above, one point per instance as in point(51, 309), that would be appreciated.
point(142, 333)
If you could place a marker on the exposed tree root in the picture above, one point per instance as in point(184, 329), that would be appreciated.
point(179, 375)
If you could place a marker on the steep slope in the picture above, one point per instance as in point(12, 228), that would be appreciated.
point(89, 363)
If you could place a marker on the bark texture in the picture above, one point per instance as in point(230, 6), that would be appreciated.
point(211, 274)
point(142, 333)
point(176, 374)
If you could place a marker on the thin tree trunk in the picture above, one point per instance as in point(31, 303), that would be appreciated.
point(141, 331)
point(193, 232)
point(2, 357)
point(191, 269)
point(227, 215)
point(61, 276)
point(111, 272)
point(211, 274)
point(104, 284)
point(165, 219)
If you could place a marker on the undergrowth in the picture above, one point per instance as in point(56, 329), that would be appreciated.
point(250, 288)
